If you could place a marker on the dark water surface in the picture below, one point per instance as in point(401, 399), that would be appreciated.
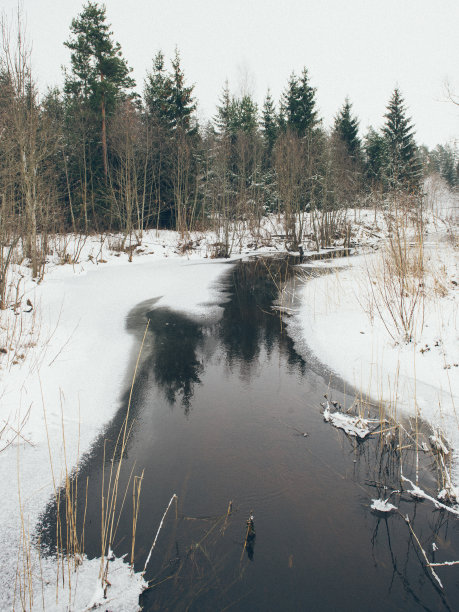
point(218, 412)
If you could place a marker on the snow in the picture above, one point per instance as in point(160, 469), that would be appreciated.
point(86, 593)
point(438, 444)
point(419, 493)
point(382, 505)
point(66, 359)
point(64, 352)
point(355, 426)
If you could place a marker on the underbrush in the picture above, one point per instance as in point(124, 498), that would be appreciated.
point(413, 270)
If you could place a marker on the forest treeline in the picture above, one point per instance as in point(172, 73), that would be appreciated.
point(96, 156)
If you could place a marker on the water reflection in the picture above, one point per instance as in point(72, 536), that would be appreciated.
point(249, 323)
point(174, 359)
point(182, 346)
point(402, 565)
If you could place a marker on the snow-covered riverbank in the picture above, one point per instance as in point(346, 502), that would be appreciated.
point(69, 383)
point(341, 324)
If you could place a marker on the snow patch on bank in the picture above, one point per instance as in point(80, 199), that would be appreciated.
point(84, 591)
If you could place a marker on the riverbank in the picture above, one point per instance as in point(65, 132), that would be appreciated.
point(355, 319)
point(58, 397)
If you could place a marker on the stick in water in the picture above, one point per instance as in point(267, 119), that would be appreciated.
point(157, 533)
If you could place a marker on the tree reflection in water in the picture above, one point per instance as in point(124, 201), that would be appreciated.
point(247, 326)
point(175, 361)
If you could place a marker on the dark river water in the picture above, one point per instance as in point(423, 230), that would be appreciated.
point(218, 413)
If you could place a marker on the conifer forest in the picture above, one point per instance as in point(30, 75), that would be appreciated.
point(98, 156)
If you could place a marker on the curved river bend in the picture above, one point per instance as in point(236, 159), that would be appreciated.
point(218, 414)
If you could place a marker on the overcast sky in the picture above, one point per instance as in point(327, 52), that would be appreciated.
point(359, 48)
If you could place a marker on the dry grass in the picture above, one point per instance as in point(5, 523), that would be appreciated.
point(396, 280)
point(69, 247)
point(70, 527)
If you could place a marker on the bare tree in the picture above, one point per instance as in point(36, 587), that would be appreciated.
point(184, 182)
point(30, 141)
point(291, 162)
point(452, 97)
point(127, 174)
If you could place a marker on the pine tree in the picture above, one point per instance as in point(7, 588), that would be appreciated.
point(402, 165)
point(298, 104)
point(99, 73)
point(347, 128)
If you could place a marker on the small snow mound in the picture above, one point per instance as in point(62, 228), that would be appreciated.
point(352, 425)
point(437, 443)
point(449, 494)
point(118, 591)
point(382, 505)
point(418, 493)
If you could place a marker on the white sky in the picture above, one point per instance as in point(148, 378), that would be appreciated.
point(359, 48)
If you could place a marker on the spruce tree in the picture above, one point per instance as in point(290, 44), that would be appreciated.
point(225, 119)
point(375, 156)
point(289, 103)
point(298, 104)
point(168, 101)
point(269, 123)
point(170, 108)
point(270, 130)
point(158, 92)
point(246, 115)
point(236, 114)
point(307, 113)
point(347, 128)
point(444, 160)
point(402, 165)
point(99, 73)
point(181, 102)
